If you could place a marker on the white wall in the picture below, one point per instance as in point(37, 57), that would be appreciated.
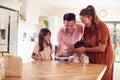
point(54, 25)
point(32, 9)
point(25, 45)
point(32, 12)
point(13, 4)
point(112, 12)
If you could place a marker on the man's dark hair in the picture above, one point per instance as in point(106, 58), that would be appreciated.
point(69, 17)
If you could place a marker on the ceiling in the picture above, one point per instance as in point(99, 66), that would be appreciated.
point(80, 3)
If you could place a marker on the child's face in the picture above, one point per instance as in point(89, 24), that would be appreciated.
point(47, 37)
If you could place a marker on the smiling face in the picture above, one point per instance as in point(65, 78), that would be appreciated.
point(86, 20)
point(69, 26)
point(47, 37)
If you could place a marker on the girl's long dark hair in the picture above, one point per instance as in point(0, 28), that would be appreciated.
point(90, 11)
point(43, 32)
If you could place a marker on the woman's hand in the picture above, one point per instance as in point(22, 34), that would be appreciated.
point(81, 49)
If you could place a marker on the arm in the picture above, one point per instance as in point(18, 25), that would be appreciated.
point(51, 52)
point(100, 48)
point(59, 40)
point(36, 57)
point(82, 29)
point(59, 51)
point(35, 54)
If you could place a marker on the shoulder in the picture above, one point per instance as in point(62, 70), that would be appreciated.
point(102, 26)
point(61, 30)
point(36, 49)
point(36, 45)
point(80, 26)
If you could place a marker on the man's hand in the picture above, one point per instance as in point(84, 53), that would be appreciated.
point(71, 50)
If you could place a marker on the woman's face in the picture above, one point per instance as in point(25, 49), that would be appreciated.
point(86, 20)
point(47, 37)
point(69, 26)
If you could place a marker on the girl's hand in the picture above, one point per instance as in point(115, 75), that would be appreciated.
point(40, 58)
point(37, 57)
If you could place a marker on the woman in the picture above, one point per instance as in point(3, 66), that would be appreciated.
point(97, 40)
point(43, 49)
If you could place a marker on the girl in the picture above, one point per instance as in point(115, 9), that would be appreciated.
point(43, 49)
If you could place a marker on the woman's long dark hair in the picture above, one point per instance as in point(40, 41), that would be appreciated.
point(90, 11)
point(43, 32)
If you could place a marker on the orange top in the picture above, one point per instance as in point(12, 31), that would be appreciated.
point(92, 37)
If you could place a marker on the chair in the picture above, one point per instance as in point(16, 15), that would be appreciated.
point(56, 48)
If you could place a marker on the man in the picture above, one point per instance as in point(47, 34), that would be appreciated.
point(69, 34)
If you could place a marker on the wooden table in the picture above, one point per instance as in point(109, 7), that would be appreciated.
point(54, 70)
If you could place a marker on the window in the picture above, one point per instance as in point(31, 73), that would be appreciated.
point(114, 28)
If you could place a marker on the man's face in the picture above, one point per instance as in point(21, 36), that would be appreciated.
point(69, 26)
